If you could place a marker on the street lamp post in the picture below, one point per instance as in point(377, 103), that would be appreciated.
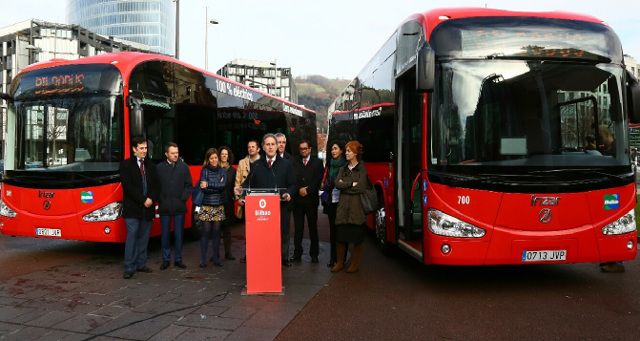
point(206, 36)
point(177, 27)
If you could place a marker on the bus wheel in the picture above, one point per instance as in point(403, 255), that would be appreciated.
point(381, 229)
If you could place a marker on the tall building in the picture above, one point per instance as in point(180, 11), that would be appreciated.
point(32, 41)
point(632, 65)
point(148, 22)
point(264, 76)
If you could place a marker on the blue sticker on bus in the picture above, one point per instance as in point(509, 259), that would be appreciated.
point(611, 201)
point(424, 185)
point(86, 197)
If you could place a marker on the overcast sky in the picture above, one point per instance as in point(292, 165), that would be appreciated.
point(334, 38)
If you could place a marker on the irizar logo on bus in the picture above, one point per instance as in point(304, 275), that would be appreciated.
point(544, 201)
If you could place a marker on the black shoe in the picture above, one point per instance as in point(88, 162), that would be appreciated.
point(145, 269)
point(314, 259)
point(202, 266)
point(218, 263)
point(229, 257)
point(295, 259)
point(180, 265)
point(127, 275)
point(331, 264)
point(286, 263)
point(164, 265)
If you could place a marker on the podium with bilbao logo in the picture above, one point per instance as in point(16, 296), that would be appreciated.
point(262, 231)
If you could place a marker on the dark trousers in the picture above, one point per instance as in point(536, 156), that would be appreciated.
point(331, 210)
point(178, 228)
point(210, 228)
point(285, 217)
point(135, 248)
point(308, 208)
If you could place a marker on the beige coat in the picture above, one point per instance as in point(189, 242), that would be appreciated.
point(242, 172)
point(350, 205)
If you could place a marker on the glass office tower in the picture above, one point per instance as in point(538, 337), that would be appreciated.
point(149, 22)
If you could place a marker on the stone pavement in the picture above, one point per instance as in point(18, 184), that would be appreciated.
point(91, 301)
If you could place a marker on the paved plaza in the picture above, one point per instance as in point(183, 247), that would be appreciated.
point(90, 300)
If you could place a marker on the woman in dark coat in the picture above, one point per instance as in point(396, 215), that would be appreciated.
point(331, 195)
point(226, 161)
point(352, 180)
point(213, 181)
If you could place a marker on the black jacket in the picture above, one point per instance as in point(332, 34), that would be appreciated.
point(280, 176)
point(308, 176)
point(133, 196)
point(175, 187)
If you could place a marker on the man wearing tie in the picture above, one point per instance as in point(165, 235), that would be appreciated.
point(140, 189)
point(308, 171)
point(272, 171)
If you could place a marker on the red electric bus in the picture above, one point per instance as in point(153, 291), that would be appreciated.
point(497, 137)
point(70, 123)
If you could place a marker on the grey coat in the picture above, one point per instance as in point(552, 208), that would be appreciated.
point(350, 205)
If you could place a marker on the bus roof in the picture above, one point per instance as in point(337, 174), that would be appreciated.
point(434, 17)
point(125, 62)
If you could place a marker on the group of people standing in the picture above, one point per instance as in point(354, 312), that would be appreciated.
point(299, 181)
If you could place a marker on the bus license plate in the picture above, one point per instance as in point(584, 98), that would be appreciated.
point(48, 232)
point(544, 255)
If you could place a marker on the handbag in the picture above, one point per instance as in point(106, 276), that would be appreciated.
point(197, 196)
point(369, 199)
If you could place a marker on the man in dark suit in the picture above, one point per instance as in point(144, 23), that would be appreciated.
point(308, 171)
point(175, 189)
point(281, 142)
point(140, 188)
point(272, 171)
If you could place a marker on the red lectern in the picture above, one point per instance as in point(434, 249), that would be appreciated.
point(264, 269)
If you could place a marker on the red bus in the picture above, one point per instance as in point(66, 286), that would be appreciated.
point(497, 137)
point(70, 123)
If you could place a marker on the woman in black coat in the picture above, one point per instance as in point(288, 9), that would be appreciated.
point(226, 161)
point(331, 195)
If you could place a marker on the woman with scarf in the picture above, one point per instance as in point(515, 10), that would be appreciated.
point(330, 194)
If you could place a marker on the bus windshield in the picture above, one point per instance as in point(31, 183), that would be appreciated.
point(69, 134)
point(507, 114)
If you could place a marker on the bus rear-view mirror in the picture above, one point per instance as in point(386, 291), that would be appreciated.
point(425, 69)
point(633, 98)
point(136, 115)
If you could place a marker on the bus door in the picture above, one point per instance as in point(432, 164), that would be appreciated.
point(407, 164)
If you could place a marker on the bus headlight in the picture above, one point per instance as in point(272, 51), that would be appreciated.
point(626, 224)
point(446, 225)
point(107, 213)
point(5, 211)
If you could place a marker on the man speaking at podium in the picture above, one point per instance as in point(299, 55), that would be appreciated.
point(273, 172)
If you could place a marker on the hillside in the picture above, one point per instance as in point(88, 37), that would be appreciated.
point(317, 93)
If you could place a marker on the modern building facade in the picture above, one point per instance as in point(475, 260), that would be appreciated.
point(264, 76)
point(148, 22)
point(32, 41)
point(632, 65)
